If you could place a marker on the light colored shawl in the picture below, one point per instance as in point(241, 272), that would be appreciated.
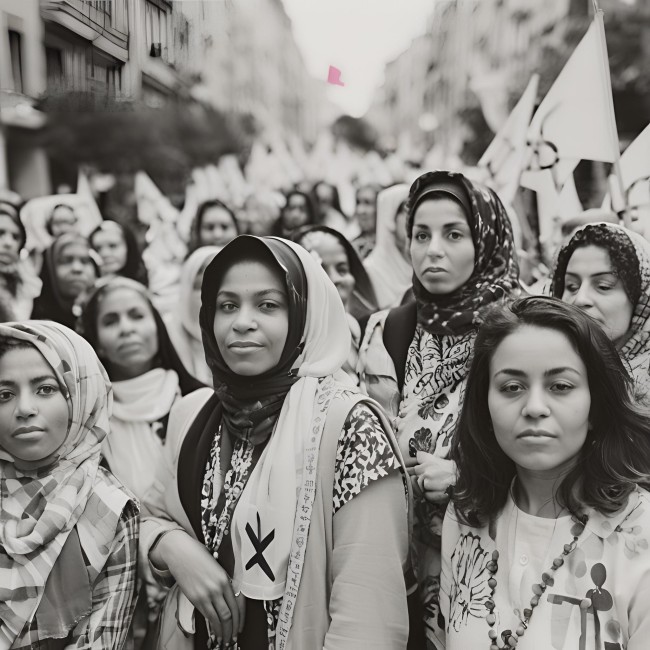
point(389, 272)
point(268, 502)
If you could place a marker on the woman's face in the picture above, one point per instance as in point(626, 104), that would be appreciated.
point(111, 247)
point(75, 271)
point(127, 334)
point(62, 221)
point(539, 400)
point(10, 239)
point(251, 323)
point(217, 227)
point(335, 262)
point(366, 210)
point(590, 282)
point(442, 250)
point(295, 212)
point(33, 410)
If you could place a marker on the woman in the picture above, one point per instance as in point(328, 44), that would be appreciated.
point(330, 214)
point(131, 340)
point(298, 212)
point(118, 250)
point(414, 359)
point(69, 532)
point(546, 544)
point(288, 478)
point(366, 216)
point(62, 220)
point(215, 224)
point(344, 268)
point(19, 284)
point(148, 378)
point(183, 324)
point(389, 266)
point(70, 268)
point(605, 270)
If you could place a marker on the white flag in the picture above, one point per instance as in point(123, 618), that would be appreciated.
point(575, 120)
point(504, 158)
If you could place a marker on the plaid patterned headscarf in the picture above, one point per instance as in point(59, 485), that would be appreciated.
point(39, 507)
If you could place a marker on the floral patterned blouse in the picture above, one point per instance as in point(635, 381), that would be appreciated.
point(610, 566)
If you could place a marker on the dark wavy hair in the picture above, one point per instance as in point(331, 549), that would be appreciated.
point(134, 267)
point(616, 454)
point(195, 235)
point(336, 200)
point(310, 208)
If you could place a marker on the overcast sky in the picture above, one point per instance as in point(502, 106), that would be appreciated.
point(357, 36)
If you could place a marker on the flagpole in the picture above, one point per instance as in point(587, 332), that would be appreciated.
point(627, 218)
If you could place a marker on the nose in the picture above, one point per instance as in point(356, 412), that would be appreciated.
point(126, 326)
point(583, 296)
point(77, 266)
point(26, 405)
point(245, 320)
point(435, 246)
point(535, 405)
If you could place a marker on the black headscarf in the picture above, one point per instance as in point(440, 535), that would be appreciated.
point(51, 304)
point(621, 253)
point(168, 357)
point(251, 405)
point(496, 272)
point(134, 267)
point(363, 301)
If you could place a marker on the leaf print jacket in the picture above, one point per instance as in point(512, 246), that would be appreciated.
point(610, 566)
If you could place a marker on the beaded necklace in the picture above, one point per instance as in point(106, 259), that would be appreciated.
point(509, 639)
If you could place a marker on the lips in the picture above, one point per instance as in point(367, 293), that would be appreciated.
point(533, 434)
point(242, 345)
point(435, 270)
point(26, 431)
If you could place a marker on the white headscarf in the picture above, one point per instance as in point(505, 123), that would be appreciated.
point(183, 324)
point(268, 502)
point(389, 272)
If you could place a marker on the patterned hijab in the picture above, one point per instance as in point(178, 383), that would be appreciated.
point(629, 254)
point(252, 405)
point(496, 272)
point(40, 506)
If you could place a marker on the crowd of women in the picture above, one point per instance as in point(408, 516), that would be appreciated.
point(350, 432)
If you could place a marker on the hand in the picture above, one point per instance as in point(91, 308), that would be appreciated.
point(433, 476)
point(203, 581)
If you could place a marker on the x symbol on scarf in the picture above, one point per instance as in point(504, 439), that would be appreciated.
point(260, 546)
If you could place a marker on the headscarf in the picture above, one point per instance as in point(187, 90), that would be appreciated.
point(629, 254)
point(41, 506)
point(51, 304)
point(363, 300)
point(496, 272)
point(389, 272)
point(134, 267)
point(318, 343)
point(168, 357)
point(184, 328)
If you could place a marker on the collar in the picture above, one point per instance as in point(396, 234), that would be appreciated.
point(604, 525)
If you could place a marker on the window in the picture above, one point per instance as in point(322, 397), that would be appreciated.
point(15, 50)
point(156, 26)
point(54, 67)
point(101, 5)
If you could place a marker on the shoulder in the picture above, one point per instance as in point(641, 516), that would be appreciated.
point(634, 518)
